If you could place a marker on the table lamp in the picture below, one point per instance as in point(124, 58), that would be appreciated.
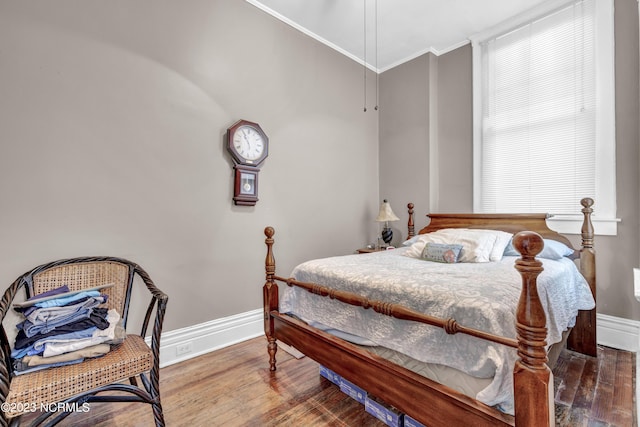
point(385, 215)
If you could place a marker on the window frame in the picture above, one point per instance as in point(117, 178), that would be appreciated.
point(604, 217)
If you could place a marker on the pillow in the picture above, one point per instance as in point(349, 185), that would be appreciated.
point(502, 241)
point(441, 252)
point(411, 241)
point(552, 250)
point(476, 244)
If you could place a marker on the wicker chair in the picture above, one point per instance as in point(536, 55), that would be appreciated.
point(69, 387)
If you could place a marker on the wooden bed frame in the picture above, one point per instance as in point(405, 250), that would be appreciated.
point(427, 401)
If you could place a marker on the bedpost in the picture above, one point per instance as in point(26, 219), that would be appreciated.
point(532, 378)
point(583, 335)
point(270, 298)
point(410, 227)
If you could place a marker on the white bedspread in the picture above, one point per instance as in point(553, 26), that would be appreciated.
point(487, 302)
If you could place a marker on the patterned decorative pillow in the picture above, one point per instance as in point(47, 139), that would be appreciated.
point(441, 252)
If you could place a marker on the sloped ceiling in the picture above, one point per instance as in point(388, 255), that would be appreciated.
point(396, 30)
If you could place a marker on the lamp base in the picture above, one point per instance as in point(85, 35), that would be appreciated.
point(387, 235)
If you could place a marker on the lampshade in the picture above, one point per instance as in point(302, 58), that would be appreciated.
point(386, 214)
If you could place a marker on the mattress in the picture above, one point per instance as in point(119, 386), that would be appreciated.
point(479, 295)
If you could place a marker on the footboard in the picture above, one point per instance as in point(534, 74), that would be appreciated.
point(425, 400)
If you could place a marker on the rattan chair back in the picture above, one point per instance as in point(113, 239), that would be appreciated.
point(85, 275)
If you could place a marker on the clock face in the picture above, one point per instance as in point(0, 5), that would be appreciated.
point(248, 142)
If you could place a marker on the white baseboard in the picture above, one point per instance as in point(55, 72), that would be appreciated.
point(623, 334)
point(183, 344)
point(619, 333)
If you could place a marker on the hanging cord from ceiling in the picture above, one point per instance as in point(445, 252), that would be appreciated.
point(376, 53)
point(364, 63)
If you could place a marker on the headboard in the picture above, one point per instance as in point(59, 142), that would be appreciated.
point(512, 223)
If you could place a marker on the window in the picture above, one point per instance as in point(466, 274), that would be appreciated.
point(544, 133)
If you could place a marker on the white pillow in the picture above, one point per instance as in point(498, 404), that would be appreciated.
point(503, 239)
point(477, 245)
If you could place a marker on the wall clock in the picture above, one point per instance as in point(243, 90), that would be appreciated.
point(249, 146)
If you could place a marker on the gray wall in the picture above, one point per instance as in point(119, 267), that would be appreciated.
point(455, 131)
point(112, 117)
point(618, 255)
point(404, 139)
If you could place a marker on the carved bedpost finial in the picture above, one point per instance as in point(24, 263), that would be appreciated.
point(270, 262)
point(587, 226)
point(269, 232)
point(410, 227)
point(528, 244)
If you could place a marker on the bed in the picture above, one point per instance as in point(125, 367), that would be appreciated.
point(523, 340)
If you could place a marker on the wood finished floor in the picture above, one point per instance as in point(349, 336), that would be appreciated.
point(233, 387)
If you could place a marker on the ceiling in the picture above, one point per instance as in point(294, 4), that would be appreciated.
point(405, 29)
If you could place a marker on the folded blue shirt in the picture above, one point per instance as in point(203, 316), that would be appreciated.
point(59, 302)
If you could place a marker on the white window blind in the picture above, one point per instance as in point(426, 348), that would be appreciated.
point(542, 118)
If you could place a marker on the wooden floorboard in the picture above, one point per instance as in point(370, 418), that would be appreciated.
point(234, 387)
point(595, 391)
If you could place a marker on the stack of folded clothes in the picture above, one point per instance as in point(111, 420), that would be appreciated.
point(62, 328)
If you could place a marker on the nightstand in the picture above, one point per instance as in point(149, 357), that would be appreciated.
point(369, 250)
